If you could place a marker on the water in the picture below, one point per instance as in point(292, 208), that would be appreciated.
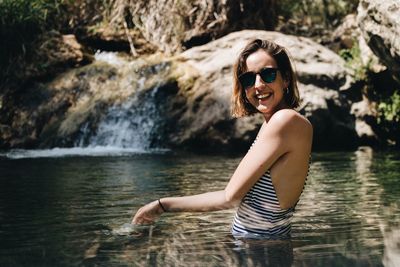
point(135, 120)
point(74, 210)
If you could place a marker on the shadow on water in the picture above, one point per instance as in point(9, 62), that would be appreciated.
point(70, 211)
point(149, 246)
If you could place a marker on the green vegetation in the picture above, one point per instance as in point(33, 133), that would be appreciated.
point(389, 118)
point(322, 12)
point(390, 110)
point(353, 60)
point(388, 99)
point(21, 21)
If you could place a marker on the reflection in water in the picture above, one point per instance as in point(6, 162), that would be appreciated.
point(372, 194)
point(391, 256)
point(264, 252)
point(76, 211)
point(149, 246)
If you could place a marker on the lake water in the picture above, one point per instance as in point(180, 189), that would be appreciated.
point(75, 210)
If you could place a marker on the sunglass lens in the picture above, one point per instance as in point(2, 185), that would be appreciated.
point(268, 75)
point(247, 79)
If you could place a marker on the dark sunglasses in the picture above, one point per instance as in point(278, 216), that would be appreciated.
point(248, 79)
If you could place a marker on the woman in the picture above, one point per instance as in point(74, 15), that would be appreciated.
point(270, 178)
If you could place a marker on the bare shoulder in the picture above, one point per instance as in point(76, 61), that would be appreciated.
point(290, 119)
point(293, 128)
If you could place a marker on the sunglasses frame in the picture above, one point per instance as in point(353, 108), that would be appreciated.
point(270, 71)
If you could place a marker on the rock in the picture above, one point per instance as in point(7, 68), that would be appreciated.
point(207, 115)
point(108, 38)
point(346, 33)
point(379, 22)
point(194, 23)
point(366, 121)
point(314, 63)
point(328, 112)
point(184, 100)
point(5, 135)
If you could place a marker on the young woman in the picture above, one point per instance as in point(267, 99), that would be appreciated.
point(269, 180)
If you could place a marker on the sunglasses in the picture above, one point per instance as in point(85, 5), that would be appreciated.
point(248, 79)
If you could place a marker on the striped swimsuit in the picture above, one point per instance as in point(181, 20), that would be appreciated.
point(259, 213)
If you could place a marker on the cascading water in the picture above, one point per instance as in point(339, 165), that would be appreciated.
point(132, 125)
point(129, 125)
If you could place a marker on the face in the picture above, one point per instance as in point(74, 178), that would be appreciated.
point(267, 97)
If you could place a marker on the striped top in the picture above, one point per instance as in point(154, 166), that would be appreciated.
point(259, 213)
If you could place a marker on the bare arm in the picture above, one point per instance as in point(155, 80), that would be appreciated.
point(283, 147)
point(273, 142)
point(210, 201)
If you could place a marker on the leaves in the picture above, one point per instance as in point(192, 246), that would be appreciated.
point(390, 110)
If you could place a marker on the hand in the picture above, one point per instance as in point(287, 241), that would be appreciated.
point(148, 213)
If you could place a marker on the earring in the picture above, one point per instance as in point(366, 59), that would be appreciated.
point(287, 90)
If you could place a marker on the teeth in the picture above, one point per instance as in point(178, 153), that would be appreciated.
point(263, 95)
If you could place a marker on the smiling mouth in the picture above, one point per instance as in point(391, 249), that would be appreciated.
point(263, 96)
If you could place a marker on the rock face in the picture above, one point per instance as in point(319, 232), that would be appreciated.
point(379, 22)
point(184, 100)
point(347, 35)
point(173, 25)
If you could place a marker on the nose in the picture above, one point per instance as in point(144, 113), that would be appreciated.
point(259, 82)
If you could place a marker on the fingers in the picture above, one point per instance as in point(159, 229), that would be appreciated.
point(143, 216)
point(140, 218)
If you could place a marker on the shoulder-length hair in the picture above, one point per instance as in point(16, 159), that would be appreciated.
point(240, 105)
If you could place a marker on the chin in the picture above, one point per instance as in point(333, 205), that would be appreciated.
point(263, 108)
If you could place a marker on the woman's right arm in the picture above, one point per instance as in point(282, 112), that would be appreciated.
point(210, 201)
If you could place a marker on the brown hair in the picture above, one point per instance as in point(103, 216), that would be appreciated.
point(240, 105)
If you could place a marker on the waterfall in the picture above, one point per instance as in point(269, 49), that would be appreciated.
point(128, 125)
point(131, 125)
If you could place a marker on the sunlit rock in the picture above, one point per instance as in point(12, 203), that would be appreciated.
point(379, 22)
point(322, 74)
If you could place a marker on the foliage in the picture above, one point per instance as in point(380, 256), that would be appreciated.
point(381, 90)
point(389, 118)
point(22, 20)
point(21, 23)
point(390, 110)
point(352, 56)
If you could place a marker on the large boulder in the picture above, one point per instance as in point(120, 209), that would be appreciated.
point(379, 22)
point(321, 73)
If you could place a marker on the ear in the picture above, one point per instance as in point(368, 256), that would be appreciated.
point(286, 80)
point(286, 83)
